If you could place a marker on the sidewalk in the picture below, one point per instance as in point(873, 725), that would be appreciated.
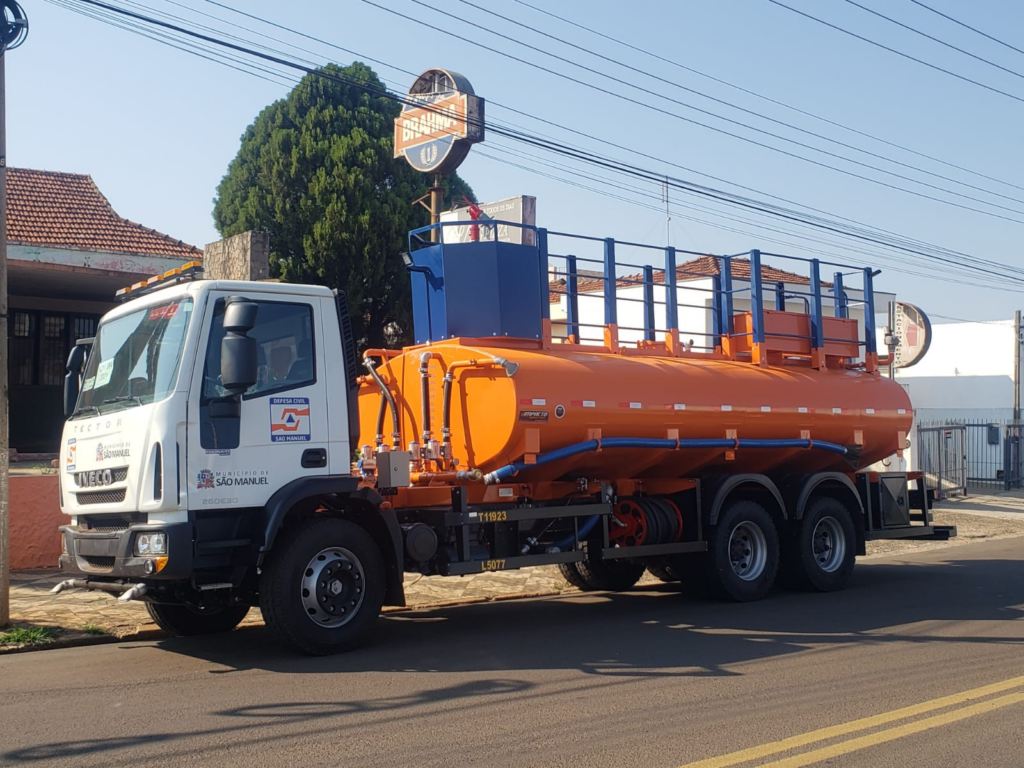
point(976, 517)
point(32, 602)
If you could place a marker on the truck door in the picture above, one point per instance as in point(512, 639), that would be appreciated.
point(239, 453)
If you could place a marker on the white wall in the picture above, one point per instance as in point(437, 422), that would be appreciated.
point(966, 375)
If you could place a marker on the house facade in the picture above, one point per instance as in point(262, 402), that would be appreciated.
point(68, 252)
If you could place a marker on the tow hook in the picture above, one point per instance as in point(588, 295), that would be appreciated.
point(124, 592)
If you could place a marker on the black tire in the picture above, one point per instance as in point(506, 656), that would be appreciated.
point(743, 527)
point(593, 573)
point(320, 549)
point(661, 568)
point(183, 621)
point(821, 551)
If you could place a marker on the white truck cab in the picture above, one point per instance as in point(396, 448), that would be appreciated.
point(203, 412)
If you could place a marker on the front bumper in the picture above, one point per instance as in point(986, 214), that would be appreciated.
point(110, 555)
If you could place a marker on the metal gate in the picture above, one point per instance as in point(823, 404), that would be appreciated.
point(942, 458)
point(1013, 456)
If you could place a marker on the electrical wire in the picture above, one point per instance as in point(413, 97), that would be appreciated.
point(770, 100)
point(754, 113)
point(977, 264)
point(421, 24)
point(897, 52)
point(957, 279)
point(968, 26)
point(492, 103)
point(933, 38)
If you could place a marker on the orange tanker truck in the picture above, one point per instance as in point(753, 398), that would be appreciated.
point(716, 431)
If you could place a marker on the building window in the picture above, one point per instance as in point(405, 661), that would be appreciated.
point(40, 343)
point(23, 348)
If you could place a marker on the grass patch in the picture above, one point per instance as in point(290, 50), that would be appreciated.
point(94, 629)
point(28, 636)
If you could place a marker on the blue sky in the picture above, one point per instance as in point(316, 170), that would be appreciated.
point(156, 127)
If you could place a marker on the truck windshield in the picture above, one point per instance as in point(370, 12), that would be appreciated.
point(135, 358)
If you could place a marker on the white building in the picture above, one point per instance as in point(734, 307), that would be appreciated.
point(967, 374)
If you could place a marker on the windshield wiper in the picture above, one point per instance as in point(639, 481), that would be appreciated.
point(123, 399)
point(86, 409)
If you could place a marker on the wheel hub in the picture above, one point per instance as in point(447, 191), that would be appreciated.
point(828, 543)
point(748, 551)
point(332, 587)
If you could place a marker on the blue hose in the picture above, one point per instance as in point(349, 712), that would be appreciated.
point(510, 470)
point(585, 529)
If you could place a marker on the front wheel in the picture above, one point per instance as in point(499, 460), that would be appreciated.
point(322, 588)
point(821, 552)
point(743, 557)
point(184, 621)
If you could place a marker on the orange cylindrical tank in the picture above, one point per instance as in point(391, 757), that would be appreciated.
point(557, 398)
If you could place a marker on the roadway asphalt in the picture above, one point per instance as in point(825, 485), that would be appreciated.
point(926, 645)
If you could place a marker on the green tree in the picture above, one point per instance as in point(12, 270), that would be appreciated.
point(316, 170)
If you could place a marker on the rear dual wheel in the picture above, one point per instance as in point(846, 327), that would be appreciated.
point(821, 549)
point(743, 556)
point(593, 573)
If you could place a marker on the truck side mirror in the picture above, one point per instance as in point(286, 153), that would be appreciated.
point(73, 378)
point(239, 361)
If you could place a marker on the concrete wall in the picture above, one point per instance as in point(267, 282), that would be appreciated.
point(242, 257)
point(35, 517)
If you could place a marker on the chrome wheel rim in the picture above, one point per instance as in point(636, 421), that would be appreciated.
point(828, 543)
point(332, 588)
point(748, 551)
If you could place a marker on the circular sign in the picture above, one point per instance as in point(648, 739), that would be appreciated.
point(14, 26)
point(913, 331)
point(440, 120)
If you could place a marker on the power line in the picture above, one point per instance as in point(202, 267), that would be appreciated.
point(978, 264)
point(968, 26)
point(755, 113)
point(860, 226)
point(761, 96)
point(960, 272)
point(897, 52)
point(933, 38)
point(634, 87)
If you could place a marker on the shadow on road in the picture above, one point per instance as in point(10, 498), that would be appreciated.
point(652, 631)
point(648, 632)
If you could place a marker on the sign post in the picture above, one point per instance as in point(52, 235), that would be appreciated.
point(440, 120)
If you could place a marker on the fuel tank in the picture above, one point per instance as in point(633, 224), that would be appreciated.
point(516, 401)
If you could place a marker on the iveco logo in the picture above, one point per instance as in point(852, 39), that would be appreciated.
point(94, 478)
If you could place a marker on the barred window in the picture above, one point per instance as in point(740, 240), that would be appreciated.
point(39, 344)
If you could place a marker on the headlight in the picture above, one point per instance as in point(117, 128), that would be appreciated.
point(151, 544)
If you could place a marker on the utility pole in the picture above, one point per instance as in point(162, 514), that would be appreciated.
point(1016, 365)
point(13, 31)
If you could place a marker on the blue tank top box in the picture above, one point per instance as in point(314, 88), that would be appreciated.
point(483, 289)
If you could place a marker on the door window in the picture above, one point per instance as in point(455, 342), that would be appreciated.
point(284, 349)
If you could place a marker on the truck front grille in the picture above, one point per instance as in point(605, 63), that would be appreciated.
point(117, 475)
point(109, 523)
point(114, 496)
point(95, 563)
